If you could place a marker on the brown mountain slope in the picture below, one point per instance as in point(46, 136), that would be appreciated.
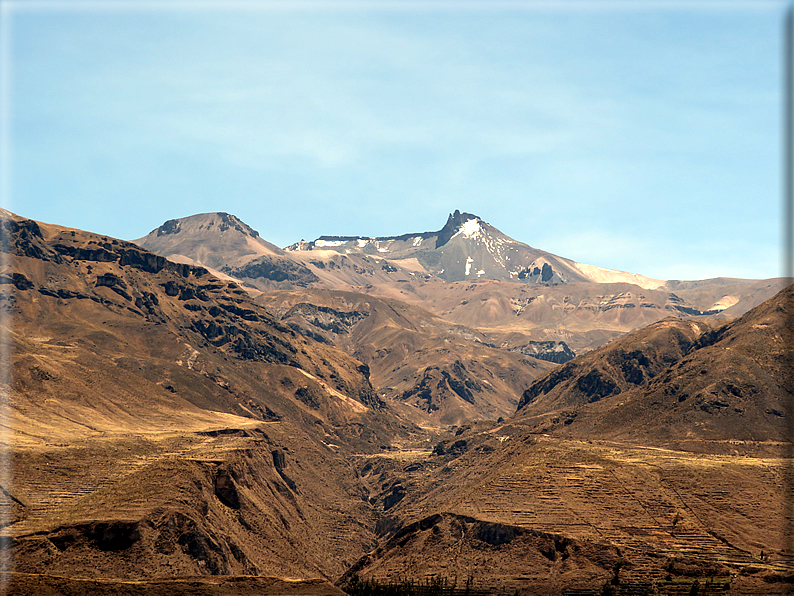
point(165, 425)
point(519, 511)
point(588, 465)
point(106, 293)
point(624, 363)
point(226, 246)
point(442, 373)
point(728, 384)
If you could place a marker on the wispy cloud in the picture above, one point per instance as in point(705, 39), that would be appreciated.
point(523, 113)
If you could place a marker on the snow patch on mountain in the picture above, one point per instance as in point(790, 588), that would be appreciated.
point(469, 261)
point(476, 229)
point(724, 302)
point(601, 275)
point(328, 243)
point(470, 229)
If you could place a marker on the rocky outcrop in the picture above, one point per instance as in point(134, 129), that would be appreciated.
point(439, 383)
point(551, 351)
point(115, 283)
point(454, 222)
point(278, 270)
point(323, 318)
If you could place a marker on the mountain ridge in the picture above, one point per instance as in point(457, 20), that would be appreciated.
point(532, 293)
point(458, 224)
point(449, 254)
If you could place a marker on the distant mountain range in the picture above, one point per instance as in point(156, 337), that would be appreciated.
point(502, 295)
point(542, 296)
point(466, 248)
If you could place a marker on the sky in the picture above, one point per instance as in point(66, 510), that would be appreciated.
point(638, 136)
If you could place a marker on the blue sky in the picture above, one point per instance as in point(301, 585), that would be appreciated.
point(637, 136)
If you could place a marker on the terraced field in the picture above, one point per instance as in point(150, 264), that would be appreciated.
point(669, 513)
point(52, 479)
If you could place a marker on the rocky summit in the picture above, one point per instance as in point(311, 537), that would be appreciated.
point(466, 248)
point(451, 412)
point(226, 246)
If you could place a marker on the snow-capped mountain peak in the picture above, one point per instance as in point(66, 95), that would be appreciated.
point(471, 228)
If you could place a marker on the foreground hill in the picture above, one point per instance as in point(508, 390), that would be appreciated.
point(165, 425)
point(517, 511)
point(677, 381)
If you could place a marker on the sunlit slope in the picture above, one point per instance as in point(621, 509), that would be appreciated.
point(165, 425)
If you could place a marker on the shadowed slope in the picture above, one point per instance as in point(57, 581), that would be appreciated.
point(444, 373)
point(664, 386)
